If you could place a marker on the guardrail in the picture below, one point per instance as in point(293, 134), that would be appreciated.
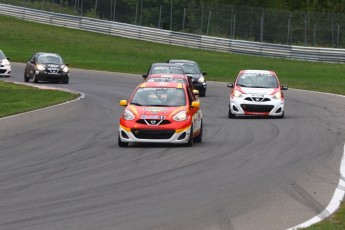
point(176, 38)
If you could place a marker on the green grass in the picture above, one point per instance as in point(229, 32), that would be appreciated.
point(86, 50)
point(19, 98)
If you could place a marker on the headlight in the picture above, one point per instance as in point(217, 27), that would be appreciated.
point(41, 67)
point(201, 79)
point(128, 115)
point(65, 69)
point(6, 63)
point(181, 116)
point(237, 93)
point(277, 95)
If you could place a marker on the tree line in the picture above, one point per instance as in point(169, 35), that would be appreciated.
point(324, 6)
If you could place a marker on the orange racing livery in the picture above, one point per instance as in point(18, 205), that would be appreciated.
point(161, 112)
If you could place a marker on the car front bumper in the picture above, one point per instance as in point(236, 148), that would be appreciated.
point(45, 76)
point(142, 135)
point(240, 106)
point(5, 71)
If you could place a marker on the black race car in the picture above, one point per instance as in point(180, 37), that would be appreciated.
point(192, 69)
point(46, 67)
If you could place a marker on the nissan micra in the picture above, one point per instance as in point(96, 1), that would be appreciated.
point(161, 112)
point(256, 93)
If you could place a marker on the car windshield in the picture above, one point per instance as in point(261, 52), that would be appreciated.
point(190, 68)
point(159, 97)
point(166, 69)
point(257, 81)
point(47, 58)
point(166, 79)
point(2, 55)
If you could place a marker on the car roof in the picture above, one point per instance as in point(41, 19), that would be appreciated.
point(164, 64)
point(252, 71)
point(182, 61)
point(47, 53)
point(167, 75)
point(161, 85)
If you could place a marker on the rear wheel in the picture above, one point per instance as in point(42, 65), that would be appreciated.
point(121, 143)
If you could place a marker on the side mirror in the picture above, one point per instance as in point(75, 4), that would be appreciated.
point(66, 64)
point(195, 104)
point(284, 87)
point(230, 85)
point(123, 103)
point(32, 62)
point(145, 76)
point(204, 73)
point(195, 92)
point(7, 58)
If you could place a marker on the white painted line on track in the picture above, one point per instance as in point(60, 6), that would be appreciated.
point(82, 95)
point(335, 202)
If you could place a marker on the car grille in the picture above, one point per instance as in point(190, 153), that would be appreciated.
point(257, 108)
point(53, 71)
point(257, 99)
point(3, 70)
point(152, 134)
point(153, 122)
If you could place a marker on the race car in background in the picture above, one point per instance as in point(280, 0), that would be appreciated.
point(256, 93)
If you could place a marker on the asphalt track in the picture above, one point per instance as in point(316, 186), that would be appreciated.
point(61, 168)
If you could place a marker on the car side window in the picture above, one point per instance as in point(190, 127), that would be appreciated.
point(191, 96)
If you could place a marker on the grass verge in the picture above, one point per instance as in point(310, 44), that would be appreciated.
point(20, 98)
point(87, 50)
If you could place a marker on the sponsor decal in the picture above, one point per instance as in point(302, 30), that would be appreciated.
point(155, 109)
point(156, 117)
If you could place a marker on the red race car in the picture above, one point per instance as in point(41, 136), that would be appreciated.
point(161, 112)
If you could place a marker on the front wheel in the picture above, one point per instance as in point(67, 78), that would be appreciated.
point(121, 143)
point(198, 139)
point(35, 78)
point(26, 79)
point(230, 114)
point(281, 116)
point(190, 139)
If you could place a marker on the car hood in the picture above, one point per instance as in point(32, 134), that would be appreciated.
point(155, 112)
point(51, 65)
point(194, 75)
point(253, 91)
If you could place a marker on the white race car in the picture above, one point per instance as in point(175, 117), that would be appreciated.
point(5, 65)
point(256, 93)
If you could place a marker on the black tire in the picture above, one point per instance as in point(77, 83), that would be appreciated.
point(34, 78)
point(26, 79)
point(230, 114)
point(65, 81)
point(281, 116)
point(202, 94)
point(198, 139)
point(190, 140)
point(121, 143)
